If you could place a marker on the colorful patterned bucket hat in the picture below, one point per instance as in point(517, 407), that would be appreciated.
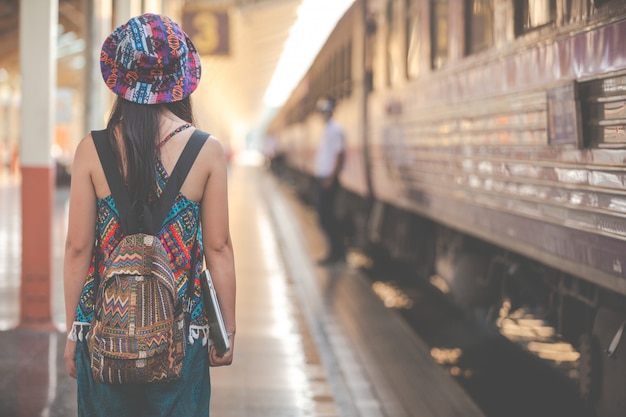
point(150, 60)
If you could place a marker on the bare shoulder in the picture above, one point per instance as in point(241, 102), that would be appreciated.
point(213, 151)
point(214, 145)
point(210, 163)
point(85, 155)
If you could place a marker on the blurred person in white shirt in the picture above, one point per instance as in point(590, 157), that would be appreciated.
point(328, 165)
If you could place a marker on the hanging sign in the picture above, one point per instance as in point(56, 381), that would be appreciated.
point(208, 28)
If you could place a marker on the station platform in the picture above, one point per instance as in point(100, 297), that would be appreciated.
point(311, 341)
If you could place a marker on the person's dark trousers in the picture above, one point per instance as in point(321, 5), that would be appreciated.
point(327, 215)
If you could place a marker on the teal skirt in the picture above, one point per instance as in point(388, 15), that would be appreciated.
point(188, 396)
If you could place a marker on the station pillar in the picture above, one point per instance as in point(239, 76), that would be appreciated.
point(98, 98)
point(38, 84)
point(124, 10)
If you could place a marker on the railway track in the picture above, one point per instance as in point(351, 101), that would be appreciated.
point(502, 376)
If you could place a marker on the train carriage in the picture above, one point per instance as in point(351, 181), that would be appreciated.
point(487, 147)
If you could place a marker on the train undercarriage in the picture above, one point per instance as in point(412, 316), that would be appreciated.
point(572, 325)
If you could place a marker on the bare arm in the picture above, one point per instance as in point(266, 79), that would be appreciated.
point(80, 237)
point(218, 248)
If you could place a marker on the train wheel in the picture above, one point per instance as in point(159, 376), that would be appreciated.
point(611, 377)
point(468, 284)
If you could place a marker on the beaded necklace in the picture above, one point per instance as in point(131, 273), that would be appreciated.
point(172, 134)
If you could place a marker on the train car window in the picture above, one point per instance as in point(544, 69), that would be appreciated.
point(326, 82)
point(394, 47)
point(389, 41)
point(348, 70)
point(370, 53)
point(604, 9)
point(413, 45)
point(602, 3)
point(532, 14)
point(603, 107)
point(581, 10)
point(316, 85)
point(439, 33)
point(575, 10)
point(478, 25)
point(335, 74)
point(341, 91)
point(341, 79)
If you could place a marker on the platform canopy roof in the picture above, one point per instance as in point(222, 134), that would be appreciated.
point(231, 92)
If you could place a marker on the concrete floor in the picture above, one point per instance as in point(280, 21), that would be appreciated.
point(276, 371)
point(311, 341)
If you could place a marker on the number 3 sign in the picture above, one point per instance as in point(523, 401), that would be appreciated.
point(208, 29)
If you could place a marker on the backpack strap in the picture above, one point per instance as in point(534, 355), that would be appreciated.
point(119, 192)
point(113, 175)
point(132, 215)
point(163, 205)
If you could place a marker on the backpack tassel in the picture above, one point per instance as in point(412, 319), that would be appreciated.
point(195, 332)
point(76, 332)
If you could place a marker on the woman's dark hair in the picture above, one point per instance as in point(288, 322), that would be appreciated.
point(139, 126)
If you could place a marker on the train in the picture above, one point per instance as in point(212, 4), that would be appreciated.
point(486, 149)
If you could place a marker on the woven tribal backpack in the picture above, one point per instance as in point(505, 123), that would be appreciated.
point(138, 331)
